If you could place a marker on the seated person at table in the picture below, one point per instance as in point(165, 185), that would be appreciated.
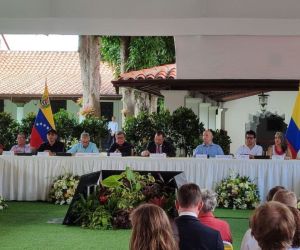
point(121, 146)
point(84, 146)
point(206, 216)
point(280, 147)
point(208, 147)
point(52, 145)
point(21, 147)
point(159, 146)
point(250, 148)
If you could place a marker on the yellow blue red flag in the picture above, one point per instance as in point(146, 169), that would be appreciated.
point(293, 131)
point(43, 122)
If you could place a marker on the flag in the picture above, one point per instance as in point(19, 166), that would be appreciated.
point(293, 131)
point(43, 122)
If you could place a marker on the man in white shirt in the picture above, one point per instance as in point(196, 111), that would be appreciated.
point(113, 128)
point(250, 148)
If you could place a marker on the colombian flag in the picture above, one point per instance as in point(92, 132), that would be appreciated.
point(293, 131)
point(43, 121)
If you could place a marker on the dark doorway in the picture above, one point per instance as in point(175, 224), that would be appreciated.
point(107, 109)
point(56, 105)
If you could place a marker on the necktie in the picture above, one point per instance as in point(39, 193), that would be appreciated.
point(157, 149)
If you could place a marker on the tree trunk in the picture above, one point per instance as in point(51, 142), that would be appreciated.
point(89, 56)
point(124, 52)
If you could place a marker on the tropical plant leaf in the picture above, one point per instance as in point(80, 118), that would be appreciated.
point(112, 181)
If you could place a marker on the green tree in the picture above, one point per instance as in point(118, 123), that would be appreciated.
point(27, 123)
point(8, 130)
point(144, 52)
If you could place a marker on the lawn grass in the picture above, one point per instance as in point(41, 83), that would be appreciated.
point(24, 226)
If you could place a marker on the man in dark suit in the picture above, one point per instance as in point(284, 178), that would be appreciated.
point(121, 146)
point(192, 234)
point(159, 146)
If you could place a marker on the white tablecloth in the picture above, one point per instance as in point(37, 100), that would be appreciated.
point(30, 178)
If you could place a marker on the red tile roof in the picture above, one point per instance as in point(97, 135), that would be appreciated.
point(24, 73)
point(167, 71)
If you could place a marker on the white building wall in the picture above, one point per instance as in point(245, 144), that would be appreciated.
point(237, 113)
point(174, 99)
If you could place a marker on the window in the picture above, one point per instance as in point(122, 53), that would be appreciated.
point(1, 105)
point(56, 105)
point(107, 109)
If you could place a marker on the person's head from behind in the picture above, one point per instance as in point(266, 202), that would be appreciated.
point(286, 197)
point(189, 198)
point(209, 199)
point(85, 139)
point(51, 136)
point(21, 139)
point(250, 138)
point(151, 229)
point(207, 137)
point(120, 138)
point(273, 226)
point(272, 191)
point(159, 138)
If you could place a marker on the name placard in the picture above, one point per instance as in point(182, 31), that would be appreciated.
point(43, 154)
point(227, 157)
point(10, 153)
point(163, 155)
point(277, 157)
point(242, 157)
point(87, 154)
point(112, 154)
point(201, 156)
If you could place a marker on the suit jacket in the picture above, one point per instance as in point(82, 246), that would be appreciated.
point(195, 236)
point(167, 148)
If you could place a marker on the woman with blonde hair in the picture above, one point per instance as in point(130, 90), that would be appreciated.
point(151, 229)
point(280, 147)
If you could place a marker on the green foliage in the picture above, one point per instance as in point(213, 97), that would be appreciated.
point(27, 123)
point(8, 130)
point(221, 138)
point(182, 128)
point(185, 123)
point(65, 124)
point(95, 126)
point(144, 52)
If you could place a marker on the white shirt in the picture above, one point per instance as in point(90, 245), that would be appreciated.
point(113, 126)
point(245, 150)
point(188, 213)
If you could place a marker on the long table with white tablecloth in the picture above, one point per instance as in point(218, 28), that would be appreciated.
point(30, 177)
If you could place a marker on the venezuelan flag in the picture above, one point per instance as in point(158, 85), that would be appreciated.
point(43, 122)
point(293, 131)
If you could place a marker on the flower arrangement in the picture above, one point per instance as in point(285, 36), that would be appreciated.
point(237, 192)
point(3, 204)
point(87, 111)
point(117, 195)
point(63, 189)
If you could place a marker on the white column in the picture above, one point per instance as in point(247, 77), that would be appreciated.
point(204, 114)
point(212, 117)
point(219, 118)
point(193, 104)
point(20, 112)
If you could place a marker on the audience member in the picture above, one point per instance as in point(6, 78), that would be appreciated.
point(151, 229)
point(159, 146)
point(208, 147)
point(52, 145)
point(206, 217)
point(192, 233)
point(113, 128)
point(121, 146)
point(280, 147)
point(248, 242)
point(250, 148)
point(273, 226)
point(84, 146)
point(21, 146)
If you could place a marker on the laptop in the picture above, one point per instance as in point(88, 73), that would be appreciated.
point(261, 157)
point(63, 154)
point(25, 154)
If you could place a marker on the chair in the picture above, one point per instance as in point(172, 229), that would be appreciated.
point(227, 245)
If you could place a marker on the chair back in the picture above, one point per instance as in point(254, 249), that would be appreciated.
point(227, 245)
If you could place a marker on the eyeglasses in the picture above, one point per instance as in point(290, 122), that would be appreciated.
point(249, 137)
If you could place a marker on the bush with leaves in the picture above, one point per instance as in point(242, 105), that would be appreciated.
point(8, 130)
point(3, 204)
point(66, 124)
